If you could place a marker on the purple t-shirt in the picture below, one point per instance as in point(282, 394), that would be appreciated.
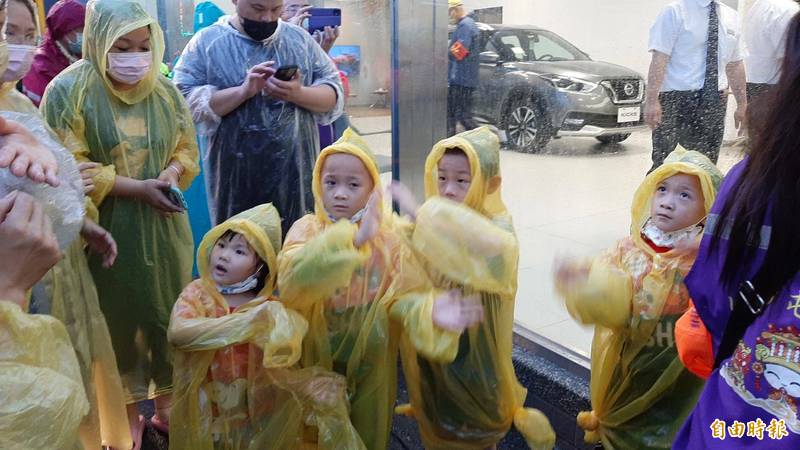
point(751, 400)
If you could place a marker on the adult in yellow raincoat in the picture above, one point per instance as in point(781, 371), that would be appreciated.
point(69, 287)
point(633, 294)
point(234, 383)
point(114, 107)
point(471, 402)
point(358, 299)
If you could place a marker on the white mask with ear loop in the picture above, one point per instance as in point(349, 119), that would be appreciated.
point(20, 58)
point(129, 68)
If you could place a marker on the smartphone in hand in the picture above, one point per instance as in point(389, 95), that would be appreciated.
point(285, 73)
point(176, 197)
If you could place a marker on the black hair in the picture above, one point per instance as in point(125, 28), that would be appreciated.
point(768, 184)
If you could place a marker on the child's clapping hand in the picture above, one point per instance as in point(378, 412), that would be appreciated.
point(371, 222)
point(570, 273)
point(455, 312)
point(405, 200)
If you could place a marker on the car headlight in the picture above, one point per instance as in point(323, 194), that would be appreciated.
point(569, 84)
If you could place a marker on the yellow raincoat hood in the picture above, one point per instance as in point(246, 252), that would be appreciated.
point(107, 21)
point(679, 161)
point(352, 144)
point(261, 226)
point(483, 151)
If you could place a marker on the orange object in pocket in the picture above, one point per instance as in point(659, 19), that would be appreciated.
point(693, 342)
point(458, 51)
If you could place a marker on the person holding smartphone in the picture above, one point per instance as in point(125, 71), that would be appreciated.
point(261, 131)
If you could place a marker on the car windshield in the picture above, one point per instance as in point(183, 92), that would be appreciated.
point(534, 46)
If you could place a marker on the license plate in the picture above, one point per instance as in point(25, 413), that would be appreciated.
point(630, 114)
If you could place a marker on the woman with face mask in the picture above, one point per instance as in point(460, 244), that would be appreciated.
point(60, 48)
point(67, 291)
point(114, 108)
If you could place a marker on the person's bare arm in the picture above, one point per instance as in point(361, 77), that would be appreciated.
point(737, 79)
point(655, 79)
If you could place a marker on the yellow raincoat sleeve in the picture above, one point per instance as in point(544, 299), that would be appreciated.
point(278, 331)
point(605, 297)
point(70, 127)
point(314, 263)
point(186, 153)
point(43, 400)
point(467, 247)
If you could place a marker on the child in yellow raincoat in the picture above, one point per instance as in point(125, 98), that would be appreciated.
point(235, 345)
point(464, 236)
point(113, 107)
point(345, 268)
point(69, 287)
point(633, 294)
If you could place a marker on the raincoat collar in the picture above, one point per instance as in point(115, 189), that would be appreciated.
point(482, 148)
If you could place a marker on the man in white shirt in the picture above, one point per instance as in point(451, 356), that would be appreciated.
point(765, 26)
point(697, 50)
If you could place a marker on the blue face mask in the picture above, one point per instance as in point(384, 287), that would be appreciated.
point(76, 47)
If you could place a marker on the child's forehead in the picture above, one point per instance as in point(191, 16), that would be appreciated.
point(682, 178)
point(454, 159)
point(234, 238)
point(344, 163)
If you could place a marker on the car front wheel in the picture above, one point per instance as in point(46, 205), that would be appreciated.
point(526, 127)
point(613, 138)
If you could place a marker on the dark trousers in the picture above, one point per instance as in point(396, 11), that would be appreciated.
point(459, 108)
point(689, 118)
point(759, 99)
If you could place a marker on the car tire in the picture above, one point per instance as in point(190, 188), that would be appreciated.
point(526, 127)
point(613, 138)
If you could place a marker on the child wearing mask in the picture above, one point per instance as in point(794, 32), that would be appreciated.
point(345, 268)
point(235, 345)
point(633, 294)
point(465, 238)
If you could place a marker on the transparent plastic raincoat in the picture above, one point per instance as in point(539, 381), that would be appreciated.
point(235, 385)
point(134, 133)
point(640, 391)
point(43, 401)
point(68, 293)
point(357, 301)
point(471, 402)
point(264, 150)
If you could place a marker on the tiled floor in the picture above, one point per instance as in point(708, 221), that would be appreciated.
point(573, 199)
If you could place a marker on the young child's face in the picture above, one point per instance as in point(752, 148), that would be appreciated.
point(455, 176)
point(346, 185)
point(677, 203)
point(232, 260)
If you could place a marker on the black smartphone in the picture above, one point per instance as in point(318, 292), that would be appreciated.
point(324, 17)
point(285, 73)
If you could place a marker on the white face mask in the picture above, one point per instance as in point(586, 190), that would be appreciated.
point(20, 58)
point(129, 68)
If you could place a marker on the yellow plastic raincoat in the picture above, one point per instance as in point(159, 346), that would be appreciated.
point(72, 298)
point(640, 391)
point(43, 400)
point(235, 387)
point(357, 300)
point(134, 133)
point(471, 402)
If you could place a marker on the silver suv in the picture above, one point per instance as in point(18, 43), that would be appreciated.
point(534, 86)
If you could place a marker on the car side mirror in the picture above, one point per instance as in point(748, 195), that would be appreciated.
point(490, 58)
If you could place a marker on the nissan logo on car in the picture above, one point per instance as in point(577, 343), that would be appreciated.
point(629, 89)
